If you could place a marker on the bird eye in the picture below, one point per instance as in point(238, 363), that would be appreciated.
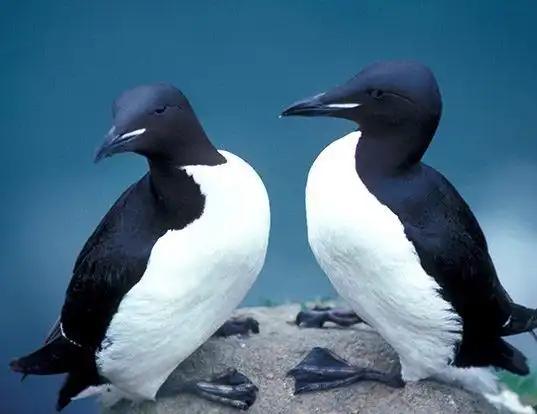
point(160, 110)
point(376, 93)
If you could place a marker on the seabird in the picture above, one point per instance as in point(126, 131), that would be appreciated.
point(166, 266)
point(400, 244)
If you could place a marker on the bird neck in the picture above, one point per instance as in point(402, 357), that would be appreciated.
point(189, 146)
point(174, 188)
point(390, 150)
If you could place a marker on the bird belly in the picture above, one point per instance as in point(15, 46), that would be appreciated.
point(195, 278)
point(159, 326)
point(361, 246)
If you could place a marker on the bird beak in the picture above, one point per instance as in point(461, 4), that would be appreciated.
point(115, 143)
point(323, 104)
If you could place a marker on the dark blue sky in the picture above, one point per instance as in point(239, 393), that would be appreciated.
point(240, 63)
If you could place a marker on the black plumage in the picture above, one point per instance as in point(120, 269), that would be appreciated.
point(398, 106)
point(112, 261)
point(453, 250)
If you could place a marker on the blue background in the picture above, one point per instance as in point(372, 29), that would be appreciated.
point(62, 62)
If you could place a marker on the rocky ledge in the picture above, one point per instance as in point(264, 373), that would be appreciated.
point(266, 357)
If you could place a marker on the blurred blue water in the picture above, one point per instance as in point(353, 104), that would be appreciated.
point(240, 63)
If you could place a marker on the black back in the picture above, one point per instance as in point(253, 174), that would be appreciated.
point(450, 244)
point(111, 262)
point(399, 117)
point(115, 256)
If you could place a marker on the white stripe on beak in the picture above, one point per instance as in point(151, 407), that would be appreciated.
point(133, 133)
point(343, 105)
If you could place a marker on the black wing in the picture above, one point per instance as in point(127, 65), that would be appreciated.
point(111, 262)
point(115, 257)
point(451, 245)
point(54, 333)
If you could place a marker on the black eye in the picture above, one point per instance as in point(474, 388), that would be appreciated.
point(160, 110)
point(376, 93)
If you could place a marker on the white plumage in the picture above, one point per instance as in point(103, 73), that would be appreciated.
point(362, 247)
point(194, 280)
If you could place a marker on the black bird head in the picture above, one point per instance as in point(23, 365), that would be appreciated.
point(384, 93)
point(158, 122)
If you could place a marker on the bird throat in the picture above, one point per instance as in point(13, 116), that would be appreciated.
point(388, 152)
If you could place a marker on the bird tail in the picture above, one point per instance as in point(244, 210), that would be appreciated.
point(522, 320)
point(56, 357)
point(509, 358)
point(81, 382)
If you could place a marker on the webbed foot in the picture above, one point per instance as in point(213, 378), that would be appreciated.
point(238, 326)
point(318, 315)
point(321, 369)
point(232, 389)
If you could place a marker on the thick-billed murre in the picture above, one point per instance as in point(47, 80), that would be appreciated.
point(166, 266)
point(400, 244)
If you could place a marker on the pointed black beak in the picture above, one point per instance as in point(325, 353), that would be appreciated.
point(307, 107)
point(115, 143)
point(319, 105)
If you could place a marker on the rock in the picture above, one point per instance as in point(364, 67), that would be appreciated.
point(266, 357)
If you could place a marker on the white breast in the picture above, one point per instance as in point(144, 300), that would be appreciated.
point(195, 278)
point(362, 247)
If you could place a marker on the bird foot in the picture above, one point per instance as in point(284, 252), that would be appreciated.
point(318, 315)
point(232, 389)
point(237, 326)
point(321, 369)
